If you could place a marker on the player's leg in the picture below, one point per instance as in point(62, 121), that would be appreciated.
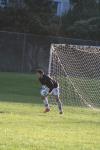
point(44, 95)
point(56, 94)
point(58, 101)
point(46, 104)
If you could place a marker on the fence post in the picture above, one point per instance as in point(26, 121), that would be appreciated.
point(23, 52)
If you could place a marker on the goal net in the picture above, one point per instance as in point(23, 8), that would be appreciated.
point(77, 69)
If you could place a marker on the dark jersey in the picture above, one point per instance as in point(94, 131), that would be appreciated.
point(49, 82)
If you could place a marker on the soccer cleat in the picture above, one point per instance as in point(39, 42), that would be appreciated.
point(46, 110)
point(61, 112)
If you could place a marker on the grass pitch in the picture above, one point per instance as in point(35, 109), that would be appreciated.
point(24, 126)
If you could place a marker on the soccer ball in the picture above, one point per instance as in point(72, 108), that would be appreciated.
point(44, 92)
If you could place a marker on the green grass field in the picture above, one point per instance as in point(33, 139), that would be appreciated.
point(80, 91)
point(24, 126)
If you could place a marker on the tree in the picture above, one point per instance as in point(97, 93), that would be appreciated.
point(85, 29)
point(84, 3)
point(40, 6)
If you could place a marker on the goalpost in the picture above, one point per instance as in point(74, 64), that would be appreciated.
point(77, 69)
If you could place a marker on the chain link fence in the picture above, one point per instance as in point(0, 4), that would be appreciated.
point(21, 52)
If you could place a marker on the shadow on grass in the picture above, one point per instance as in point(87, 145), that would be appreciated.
point(83, 121)
point(21, 88)
point(24, 88)
point(20, 98)
point(4, 112)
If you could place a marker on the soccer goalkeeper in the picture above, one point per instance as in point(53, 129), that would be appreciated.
point(49, 86)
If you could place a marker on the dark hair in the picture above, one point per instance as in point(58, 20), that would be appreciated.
point(40, 71)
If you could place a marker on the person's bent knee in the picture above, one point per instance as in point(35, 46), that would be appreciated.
point(43, 97)
point(57, 98)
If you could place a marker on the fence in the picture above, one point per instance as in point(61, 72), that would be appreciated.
point(20, 52)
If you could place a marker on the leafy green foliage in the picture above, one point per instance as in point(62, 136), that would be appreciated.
point(38, 17)
point(24, 21)
point(87, 29)
point(83, 20)
point(35, 17)
point(40, 6)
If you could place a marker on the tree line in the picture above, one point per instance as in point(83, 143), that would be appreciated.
point(38, 17)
